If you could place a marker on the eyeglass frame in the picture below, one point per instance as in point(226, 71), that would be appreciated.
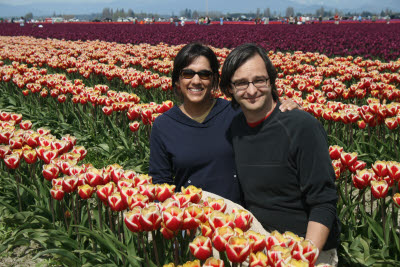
point(248, 84)
point(199, 73)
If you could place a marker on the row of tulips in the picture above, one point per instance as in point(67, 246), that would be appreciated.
point(341, 77)
point(151, 207)
point(38, 82)
point(372, 114)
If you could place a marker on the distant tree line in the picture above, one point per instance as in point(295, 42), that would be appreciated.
point(114, 15)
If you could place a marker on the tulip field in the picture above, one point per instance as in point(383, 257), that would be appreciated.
point(77, 103)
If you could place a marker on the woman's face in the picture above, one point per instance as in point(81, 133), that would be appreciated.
point(196, 88)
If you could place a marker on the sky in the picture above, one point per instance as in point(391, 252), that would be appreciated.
point(38, 7)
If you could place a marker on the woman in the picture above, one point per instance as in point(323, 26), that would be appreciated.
point(189, 144)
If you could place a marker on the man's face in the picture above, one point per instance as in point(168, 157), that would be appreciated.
point(253, 99)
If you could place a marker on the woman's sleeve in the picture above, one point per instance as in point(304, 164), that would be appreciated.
point(160, 164)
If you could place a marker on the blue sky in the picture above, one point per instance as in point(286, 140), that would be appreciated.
point(8, 8)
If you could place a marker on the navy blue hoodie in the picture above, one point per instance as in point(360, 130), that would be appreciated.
point(185, 152)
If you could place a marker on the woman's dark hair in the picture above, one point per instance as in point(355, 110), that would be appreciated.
point(187, 55)
point(237, 58)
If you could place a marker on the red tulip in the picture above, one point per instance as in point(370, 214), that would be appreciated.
point(107, 110)
point(173, 218)
point(259, 240)
point(30, 156)
point(5, 116)
point(167, 233)
point(358, 165)
point(193, 215)
point(393, 170)
point(335, 152)
point(216, 204)
point(12, 160)
point(380, 168)
point(206, 229)
point(48, 155)
point(16, 142)
point(277, 239)
point(85, 191)
point(201, 247)
point(25, 125)
point(194, 192)
point(361, 124)
point(184, 200)
point(127, 192)
point(213, 262)
point(115, 202)
point(348, 159)
point(137, 200)
point(164, 191)
point(80, 150)
point(32, 140)
point(258, 260)
point(396, 199)
point(379, 189)
point(4, 151)
point(362, 178)
point(134, 126)
point(65, 165)
point(219, 219)
point(104, 191)
point(305, 251)
point(221, 236)
point(243, 219)
point(148, 190)
point(70, 183)
point(57, 192)
point(16, 117)
point(150, 218)
point(278, 255)
point(94, 177)
point(238, 249)
point(116, 174)
point(132, 220)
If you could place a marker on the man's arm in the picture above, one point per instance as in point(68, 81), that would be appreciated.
point(317, 233)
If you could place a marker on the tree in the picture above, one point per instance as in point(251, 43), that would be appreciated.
point(195, 14)
point(258, 12)
point(130, 13)
point(106, 13)
point(320, 12)
point(29, 16)
point(289, 11)
point(267, 12)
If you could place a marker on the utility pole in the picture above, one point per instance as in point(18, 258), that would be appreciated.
point(207, 7)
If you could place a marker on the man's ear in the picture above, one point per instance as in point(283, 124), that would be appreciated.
point(230, 90)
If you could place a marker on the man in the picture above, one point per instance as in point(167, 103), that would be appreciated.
point(282, 159)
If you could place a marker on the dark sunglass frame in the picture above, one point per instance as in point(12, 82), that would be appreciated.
point(203, 74)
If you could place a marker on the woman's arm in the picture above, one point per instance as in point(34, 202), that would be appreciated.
point(160, 165)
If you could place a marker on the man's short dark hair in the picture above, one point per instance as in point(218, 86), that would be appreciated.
point(187, 55)
point(237, 58)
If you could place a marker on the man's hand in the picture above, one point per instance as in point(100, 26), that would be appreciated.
point(289, 105)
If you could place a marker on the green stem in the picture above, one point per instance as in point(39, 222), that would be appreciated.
point(155, 248)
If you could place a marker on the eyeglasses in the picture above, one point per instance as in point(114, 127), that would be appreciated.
point(243, 85)
point(203, 74)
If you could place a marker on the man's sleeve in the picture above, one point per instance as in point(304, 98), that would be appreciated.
point(160, 166)
point(315, 171)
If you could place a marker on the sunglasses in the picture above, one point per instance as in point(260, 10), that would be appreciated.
point(203, 74)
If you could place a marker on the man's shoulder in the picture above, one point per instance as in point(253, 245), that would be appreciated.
point(299, 118)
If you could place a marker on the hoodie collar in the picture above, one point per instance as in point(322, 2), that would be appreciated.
point(176, 113)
